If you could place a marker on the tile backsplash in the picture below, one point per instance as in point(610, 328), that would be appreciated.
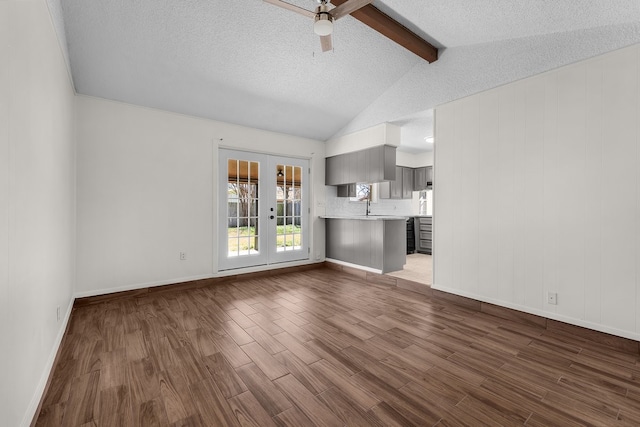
point(344, 206)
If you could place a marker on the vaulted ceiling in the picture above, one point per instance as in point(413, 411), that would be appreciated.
point(251, 63)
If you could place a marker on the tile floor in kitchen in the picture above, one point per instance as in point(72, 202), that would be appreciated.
point(417, 269)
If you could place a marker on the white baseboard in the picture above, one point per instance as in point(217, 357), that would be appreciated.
point(549, 315)
point(223, 273)
point(48, 370)
point(358, 266)
point(136, 286)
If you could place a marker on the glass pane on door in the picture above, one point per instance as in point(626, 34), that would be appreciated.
point(289, 207)
point(243, 234)
point(263, 216)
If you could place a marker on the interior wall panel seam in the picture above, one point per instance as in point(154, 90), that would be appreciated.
point(600, 204)
point(478, 176)
point(637, 170)
point(585, 206)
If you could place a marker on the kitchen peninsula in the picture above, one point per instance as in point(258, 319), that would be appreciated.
point(377, 243)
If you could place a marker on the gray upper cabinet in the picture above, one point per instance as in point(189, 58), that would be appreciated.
point(333, 173)
point(330, 173)
point(374, 164)
point(346, 190)
point(336, 170)
point(341, 169)
point(351, 167)
point(400, 188)
point(407, 182)
point(396, 186)
point(362, 166)
point(382, 163)
point(422, 178)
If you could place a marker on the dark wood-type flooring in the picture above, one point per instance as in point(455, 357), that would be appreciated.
point(326, 348)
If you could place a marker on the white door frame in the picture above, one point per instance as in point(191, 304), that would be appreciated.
point(266, 252)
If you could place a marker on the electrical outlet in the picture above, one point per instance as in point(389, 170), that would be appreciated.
point(183, 256)
point(552, 298)
point(58, 313)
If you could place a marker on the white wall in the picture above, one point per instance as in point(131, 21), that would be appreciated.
point(414, 160)
point(384, 133)
point(147, 183)
point(538, 190)
point(37, 219)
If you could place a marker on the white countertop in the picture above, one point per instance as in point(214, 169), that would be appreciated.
point(367, 217)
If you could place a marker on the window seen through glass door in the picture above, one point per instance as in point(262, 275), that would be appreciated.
point(242, 205)
point(288, 208)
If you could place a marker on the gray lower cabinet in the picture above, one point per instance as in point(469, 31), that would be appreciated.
point(378, 244)
point(400, 188)
point(424, 230)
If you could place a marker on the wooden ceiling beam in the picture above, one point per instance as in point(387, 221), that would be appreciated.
point(392, 29)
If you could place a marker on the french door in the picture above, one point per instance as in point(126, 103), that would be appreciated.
point(263, 213)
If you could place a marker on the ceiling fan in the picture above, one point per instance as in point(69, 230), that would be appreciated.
point(324, 16)
point(368, 14)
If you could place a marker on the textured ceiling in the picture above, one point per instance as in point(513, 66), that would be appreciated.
point(254, 64)
point(469, 22)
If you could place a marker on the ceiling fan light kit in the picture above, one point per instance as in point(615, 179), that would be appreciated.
point(323, 25)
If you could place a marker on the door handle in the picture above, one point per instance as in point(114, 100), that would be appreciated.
point(271, 217)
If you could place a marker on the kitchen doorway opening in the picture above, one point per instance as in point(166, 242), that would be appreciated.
point(419, 269)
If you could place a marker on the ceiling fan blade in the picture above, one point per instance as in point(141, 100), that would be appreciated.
point(292, 7)
point(348, 7)
point(325, 43)
point(388, 27)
